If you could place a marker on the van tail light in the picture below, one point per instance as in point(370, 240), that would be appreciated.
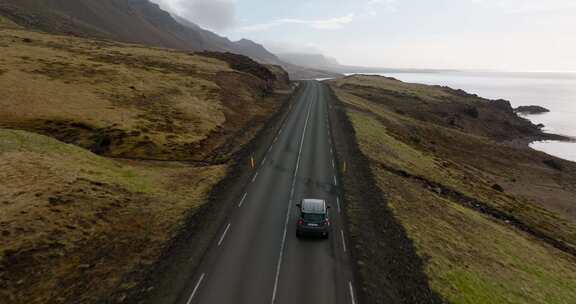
point(300, 222)
point(327, 222)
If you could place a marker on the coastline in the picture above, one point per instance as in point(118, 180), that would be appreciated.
point(522, 89)
point(457, 172)
point(549, 143)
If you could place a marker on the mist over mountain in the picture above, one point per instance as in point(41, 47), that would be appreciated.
point(134, 21)
point(310, 60)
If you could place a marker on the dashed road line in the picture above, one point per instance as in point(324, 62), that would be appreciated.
point(352, 297)
point(335, 181)
point(242, 200)
point(338, 203)
point(196, 288)
point(224, 235)
point(343, 240)
point(255, 176)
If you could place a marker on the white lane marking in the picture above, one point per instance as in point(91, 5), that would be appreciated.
point(343, 240)
point(196, 288)
point(275, 291)
point(242, 200)
point(338, 203)
point(224, 235)
point(283, 244)
point(255, 176)
point(335, 182)
point(333, 166)
point(266, 156)
point(352, 298)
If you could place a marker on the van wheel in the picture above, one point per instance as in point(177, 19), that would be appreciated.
point(298, 234)
point(325, 236)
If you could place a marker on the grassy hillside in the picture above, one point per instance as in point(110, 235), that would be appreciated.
point(105, 150)
point(124, 100)
point(73, 223)
point(494, 222)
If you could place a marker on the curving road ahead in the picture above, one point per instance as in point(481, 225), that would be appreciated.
point(257, 258)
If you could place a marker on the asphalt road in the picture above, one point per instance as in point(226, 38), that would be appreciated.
point(257, 258)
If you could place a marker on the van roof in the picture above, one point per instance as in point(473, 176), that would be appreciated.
point(314, 206)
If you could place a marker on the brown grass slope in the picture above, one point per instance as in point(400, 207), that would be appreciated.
point(105, 149)
point(494, 222)
point(128, 101)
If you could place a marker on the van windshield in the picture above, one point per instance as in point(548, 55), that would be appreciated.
point(313, 217)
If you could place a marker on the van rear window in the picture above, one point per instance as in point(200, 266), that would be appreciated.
point(313, 217)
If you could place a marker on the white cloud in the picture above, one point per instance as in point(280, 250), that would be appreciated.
point(374, 6)
point(510, 51)
point(321, 24)
point(280, 47)
point(527, 6)
point(212, 14)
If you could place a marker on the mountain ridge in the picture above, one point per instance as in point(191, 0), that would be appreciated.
point(135, 21)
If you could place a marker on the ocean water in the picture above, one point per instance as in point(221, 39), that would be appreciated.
point(554, 91)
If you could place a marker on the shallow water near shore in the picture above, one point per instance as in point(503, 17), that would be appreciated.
point(554, 91)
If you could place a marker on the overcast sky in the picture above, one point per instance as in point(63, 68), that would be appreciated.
point(518, 35)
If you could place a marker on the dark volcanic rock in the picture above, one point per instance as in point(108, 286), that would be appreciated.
point(243, 64)
point(497, 188)
point(531, 110)
point(554, 164)
point(503, 105)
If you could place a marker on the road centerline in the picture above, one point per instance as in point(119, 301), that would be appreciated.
point(295, 174)
point(224, 234)
point(242, 200)
point(196, 288)
point(343, 240)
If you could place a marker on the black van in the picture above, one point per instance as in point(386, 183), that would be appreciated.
point(313, 218)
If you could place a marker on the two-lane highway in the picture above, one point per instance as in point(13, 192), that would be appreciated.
point(257, 257)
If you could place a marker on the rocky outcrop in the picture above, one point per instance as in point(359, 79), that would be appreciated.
point(502, 105)
point(531, 110)
point(247, 65)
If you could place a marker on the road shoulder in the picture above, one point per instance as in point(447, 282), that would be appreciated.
point(387, 267)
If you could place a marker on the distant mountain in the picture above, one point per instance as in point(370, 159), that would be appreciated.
point(318, 61)
point(135, 21)
point(324, 63)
